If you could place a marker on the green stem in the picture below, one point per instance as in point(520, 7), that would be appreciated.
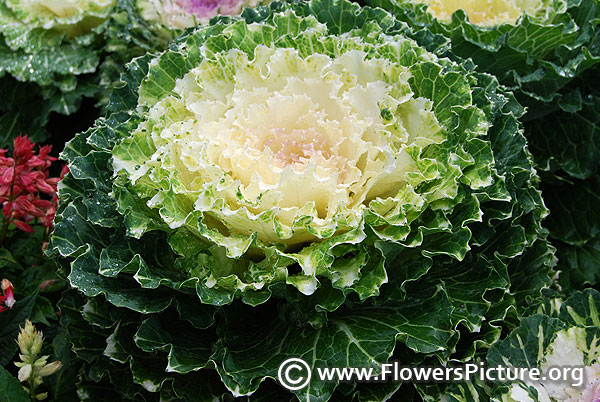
point(4, 230)
point(32, 384)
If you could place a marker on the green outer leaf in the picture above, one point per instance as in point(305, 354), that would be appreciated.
point(568, 139)
point(523, 346)
point(574, 228)
point(582, 309)
point(188, 353)
point(579, 264)
point(362, 336)
point(42, 311)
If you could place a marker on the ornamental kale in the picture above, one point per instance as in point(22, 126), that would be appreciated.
point(535, 47)
point(310, 179)
point(55, 53)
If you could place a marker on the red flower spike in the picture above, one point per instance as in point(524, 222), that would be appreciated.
point(26, 191)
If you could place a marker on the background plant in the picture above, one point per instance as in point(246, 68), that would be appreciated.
point(55, 56)
point(548, 54)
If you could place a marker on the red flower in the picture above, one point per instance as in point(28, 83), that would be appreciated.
point(7, 296)
point(26, 190)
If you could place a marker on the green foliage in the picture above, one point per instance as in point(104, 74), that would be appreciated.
point(537, 55)
point(10, 321)
point(12, 391)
